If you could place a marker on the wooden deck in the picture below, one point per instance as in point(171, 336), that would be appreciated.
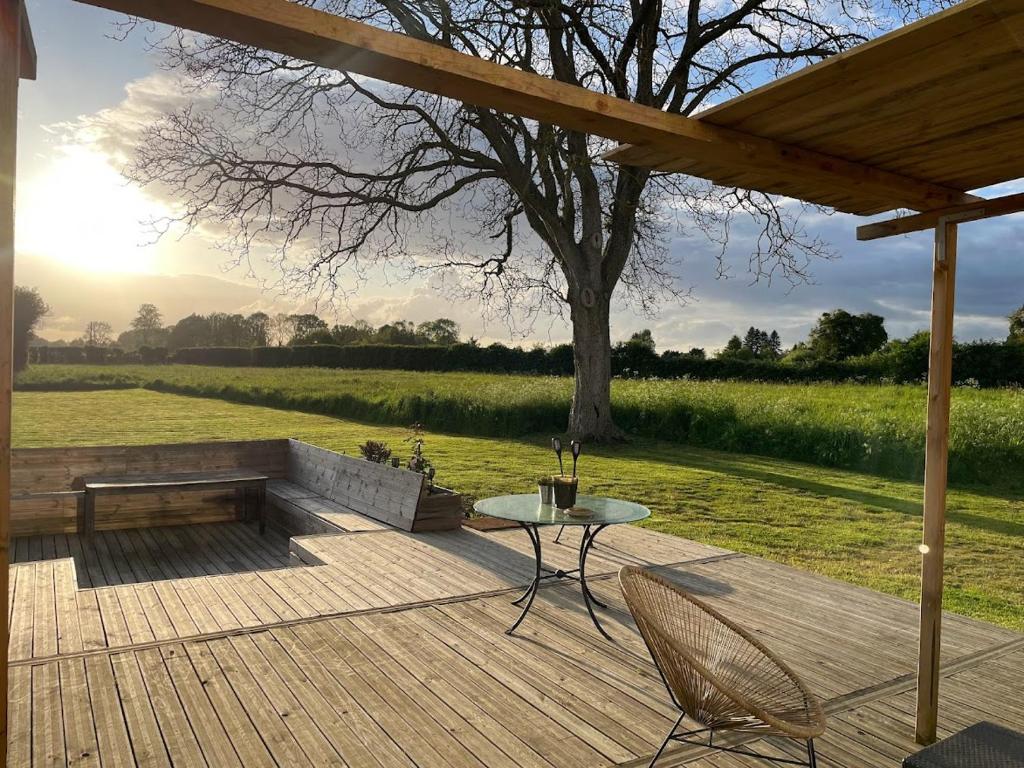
point(383, 648)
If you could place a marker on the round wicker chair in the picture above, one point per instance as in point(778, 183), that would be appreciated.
point(716, 673)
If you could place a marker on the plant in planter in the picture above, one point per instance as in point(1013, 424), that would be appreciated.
point(439, 508)
point(376, 451)
point(418, 462)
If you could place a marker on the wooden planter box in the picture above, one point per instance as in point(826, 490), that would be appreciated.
point(438, 509)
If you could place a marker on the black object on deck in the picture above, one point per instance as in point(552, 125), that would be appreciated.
point(983, 745)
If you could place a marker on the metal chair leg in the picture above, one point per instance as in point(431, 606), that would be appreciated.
point(560, 530)
point(668, 738)
point(812, 757)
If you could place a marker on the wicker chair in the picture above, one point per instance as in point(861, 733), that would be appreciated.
point(716, 673)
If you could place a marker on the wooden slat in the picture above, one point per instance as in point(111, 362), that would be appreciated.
point(109, 717)
point(80, 740)
point(53, 469)
point(140, 720)
point(40, 513)
point(237, 684)
point(44, 479)
point(352, 487)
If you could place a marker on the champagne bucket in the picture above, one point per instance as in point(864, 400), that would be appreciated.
point(547, 494)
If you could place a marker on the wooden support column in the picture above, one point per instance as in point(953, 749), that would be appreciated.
point(11, 26)
point(940, 375)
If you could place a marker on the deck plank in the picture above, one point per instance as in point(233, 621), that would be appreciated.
point(143, 730)
point(47, 717)
point(246, 739)
point(266, 719)
point(210, 734)
point(304, 729)
point(81, 743)
point(178, 733)
point(113, 744)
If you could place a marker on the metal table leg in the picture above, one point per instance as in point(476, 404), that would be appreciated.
point(588, 597)
point(531, 591)
point(580, 574)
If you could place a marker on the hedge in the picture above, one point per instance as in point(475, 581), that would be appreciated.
point(983, 363)
point(987, 364)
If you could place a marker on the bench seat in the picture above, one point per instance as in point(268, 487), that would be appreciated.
point(307, 512)
point(242, 482)
point(289, 491)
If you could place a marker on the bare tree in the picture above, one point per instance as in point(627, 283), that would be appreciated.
point(331, 172)
point(282, 329)
point(98, 333)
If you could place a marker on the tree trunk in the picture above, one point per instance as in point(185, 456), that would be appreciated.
point(591, 416)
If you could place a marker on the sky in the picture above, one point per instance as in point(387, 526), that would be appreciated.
point(83, 241)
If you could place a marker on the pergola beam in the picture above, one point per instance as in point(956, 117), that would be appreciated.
point(27, 52)
point(983, 209)
point(338, 43)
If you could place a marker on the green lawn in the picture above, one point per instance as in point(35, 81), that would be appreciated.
point(872, 428)
point(852, 526)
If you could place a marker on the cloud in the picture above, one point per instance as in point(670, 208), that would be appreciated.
point(890, 277)
point(116, 131)
point(77, 296)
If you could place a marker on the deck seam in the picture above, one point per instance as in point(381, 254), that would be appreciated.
point(906, 682)
point(397, 608)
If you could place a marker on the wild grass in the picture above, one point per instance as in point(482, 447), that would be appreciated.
point(848, 525)
point(874, 428)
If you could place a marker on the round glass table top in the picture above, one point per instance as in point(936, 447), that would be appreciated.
point(526, 508)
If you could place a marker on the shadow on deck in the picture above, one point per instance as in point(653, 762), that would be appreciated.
point(132, 556)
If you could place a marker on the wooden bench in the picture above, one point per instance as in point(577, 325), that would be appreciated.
point(324, 491)
point(247, 484)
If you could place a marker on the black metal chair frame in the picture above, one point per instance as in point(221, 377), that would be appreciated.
point(811, 762)
point(812, 758)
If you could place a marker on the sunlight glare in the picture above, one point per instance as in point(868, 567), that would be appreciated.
point(81, 212)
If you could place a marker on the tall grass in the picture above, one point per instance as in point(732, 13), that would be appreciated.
point(876, 428)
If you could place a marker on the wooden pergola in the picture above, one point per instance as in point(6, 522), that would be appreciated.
point(913, 120)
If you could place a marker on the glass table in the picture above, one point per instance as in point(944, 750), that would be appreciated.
point(526, 509)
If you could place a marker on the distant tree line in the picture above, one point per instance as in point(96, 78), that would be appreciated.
point(840, 347)
point(220, 329)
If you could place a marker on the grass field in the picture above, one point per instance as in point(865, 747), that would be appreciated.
point(847, 525)
point(878, 429)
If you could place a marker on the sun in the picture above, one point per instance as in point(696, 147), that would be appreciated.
point(81, 212)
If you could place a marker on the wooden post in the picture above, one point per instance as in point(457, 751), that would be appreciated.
point(940, 375)
point(10, 67)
